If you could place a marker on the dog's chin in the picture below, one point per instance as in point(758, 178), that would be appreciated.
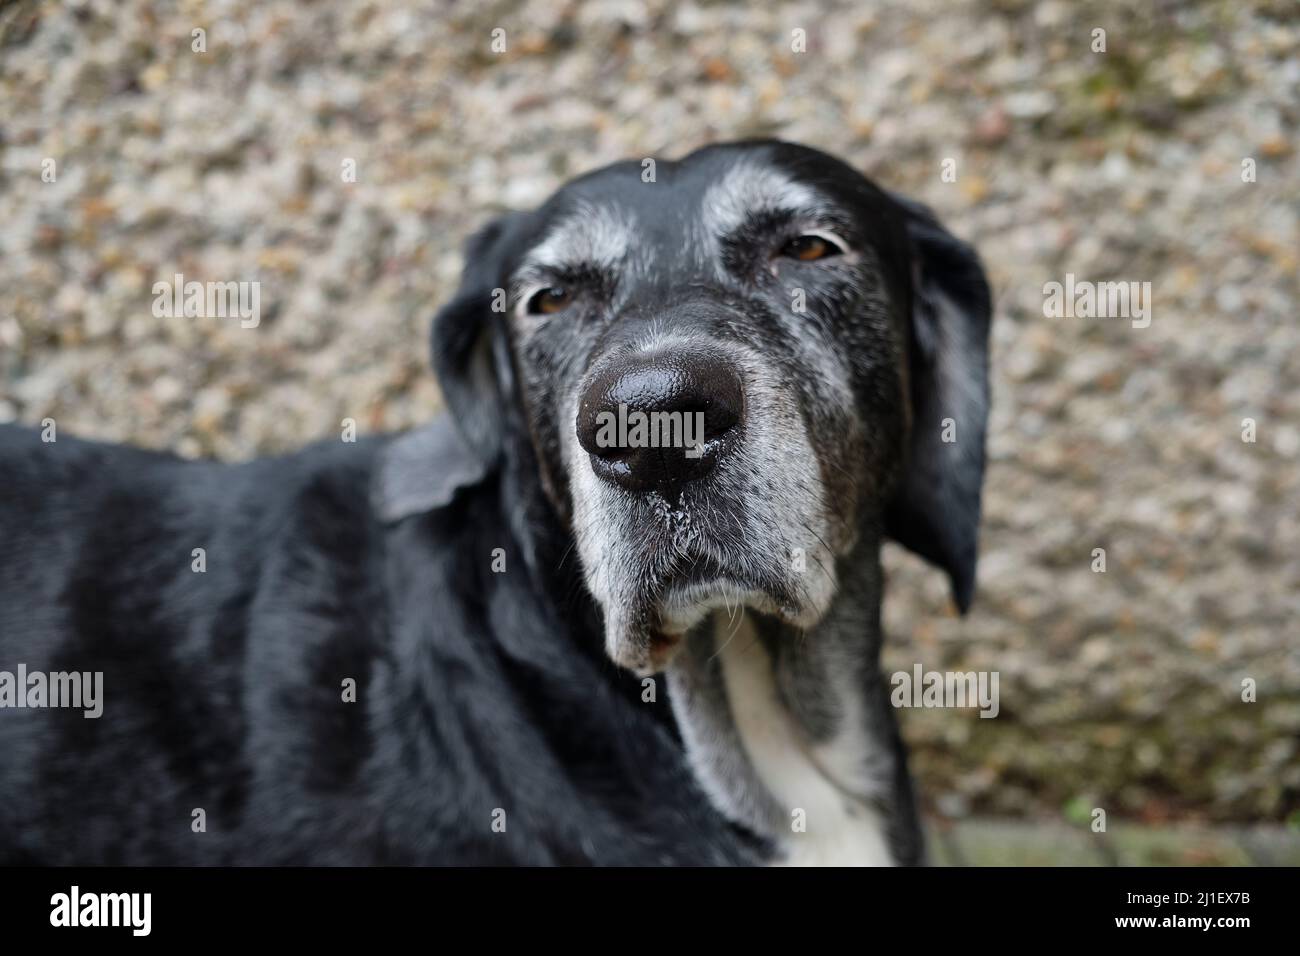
point(644, 636)
point(683, 607)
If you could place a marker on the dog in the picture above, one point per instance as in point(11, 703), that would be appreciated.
point(506, 636)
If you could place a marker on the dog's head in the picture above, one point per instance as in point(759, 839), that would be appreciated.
point(731, 368)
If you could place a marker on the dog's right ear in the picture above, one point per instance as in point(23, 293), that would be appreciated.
point(471, 356)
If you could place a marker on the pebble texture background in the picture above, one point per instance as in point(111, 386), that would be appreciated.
point(1119, 690)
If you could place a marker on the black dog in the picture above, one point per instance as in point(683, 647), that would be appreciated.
point(398, 650)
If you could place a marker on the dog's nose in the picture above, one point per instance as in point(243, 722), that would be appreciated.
point(657, 421)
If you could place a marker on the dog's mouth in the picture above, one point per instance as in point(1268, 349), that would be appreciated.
point(682, 609)
point(685, 602)
point(671, 569)
point(686, 598)
point(645, 629)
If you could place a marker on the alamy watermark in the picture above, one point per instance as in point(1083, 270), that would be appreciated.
point(922, 688)
point(633, 428)
point(77, 908)
point(208, 300)
point(1098, 300)
point(74, 689)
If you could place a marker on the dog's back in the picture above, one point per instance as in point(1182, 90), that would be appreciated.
point(148, 569)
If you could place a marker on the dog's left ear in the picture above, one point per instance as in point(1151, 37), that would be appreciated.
point(936, 508)
point(471, 355)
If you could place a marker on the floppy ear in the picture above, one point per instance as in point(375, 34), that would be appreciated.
point(471, 357)
point(936, 508)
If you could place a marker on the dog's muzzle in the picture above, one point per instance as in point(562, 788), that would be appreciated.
point(654, 421)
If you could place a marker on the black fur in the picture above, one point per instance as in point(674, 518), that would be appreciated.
point(223, 690)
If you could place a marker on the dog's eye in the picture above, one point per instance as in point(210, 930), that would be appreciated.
point(809, 248)
point(549, 301)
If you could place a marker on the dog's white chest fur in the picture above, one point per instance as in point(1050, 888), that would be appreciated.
point(828, 824)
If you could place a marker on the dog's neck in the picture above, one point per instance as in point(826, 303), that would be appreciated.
point(791, 734)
